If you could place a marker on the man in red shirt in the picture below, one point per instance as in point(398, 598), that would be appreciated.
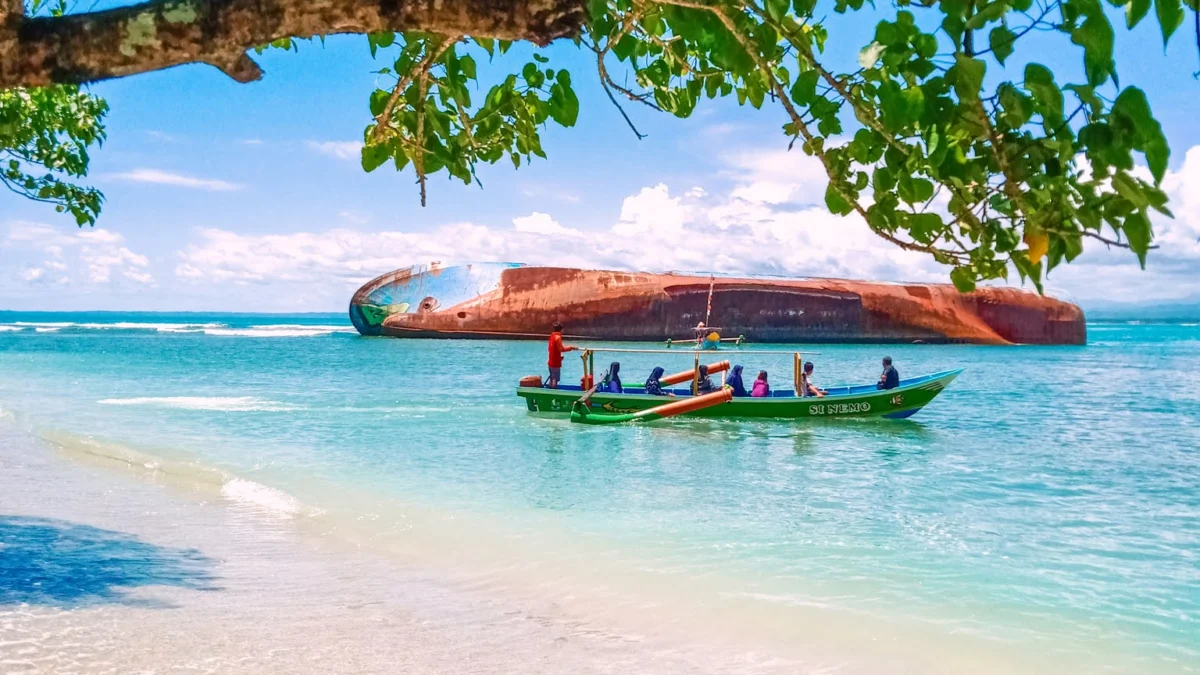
point(556, 349)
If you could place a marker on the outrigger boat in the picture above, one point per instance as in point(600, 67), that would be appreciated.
point(587, 405)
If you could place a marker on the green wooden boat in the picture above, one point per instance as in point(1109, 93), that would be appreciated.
point(843, 401)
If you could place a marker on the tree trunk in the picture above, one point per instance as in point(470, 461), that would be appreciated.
point(79, 48)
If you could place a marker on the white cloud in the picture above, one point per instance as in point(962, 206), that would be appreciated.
point(346, 150)
point(354, 217)
point(770, 218)
point(542, 223)
point(756, 227)
point(166, 178)
point(252, 141)
point(96, 256)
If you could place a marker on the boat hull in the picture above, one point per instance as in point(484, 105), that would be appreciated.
point(857, 401)
point(511, 301)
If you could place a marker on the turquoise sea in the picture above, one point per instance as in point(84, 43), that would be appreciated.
point(1041, 515)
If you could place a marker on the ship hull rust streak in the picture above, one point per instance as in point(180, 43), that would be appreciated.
point(522, 302)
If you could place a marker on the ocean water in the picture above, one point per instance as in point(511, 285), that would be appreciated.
point(1041, 515)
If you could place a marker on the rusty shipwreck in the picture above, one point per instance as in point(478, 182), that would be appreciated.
point(515, 301)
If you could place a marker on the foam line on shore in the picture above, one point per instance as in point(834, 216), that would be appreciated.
point(211, 403)
point(210, 328)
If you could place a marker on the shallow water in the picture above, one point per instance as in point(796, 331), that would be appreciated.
point(1041, 515)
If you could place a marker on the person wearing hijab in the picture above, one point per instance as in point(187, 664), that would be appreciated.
point(653, 385)
point(705, 386)
point(612, 380)
point(735, 382)
point(761, 389)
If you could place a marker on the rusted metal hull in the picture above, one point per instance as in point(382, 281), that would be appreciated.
point(519, 302)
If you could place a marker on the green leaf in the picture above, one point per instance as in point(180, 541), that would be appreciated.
point(836, 203)
point(968, 76)
point(1001, 40)
point(379, 100)
point(954, 27)
point(564, 105)
point(963, 278)
point(991, 12)
point(1135, 11)
point(805, 89)
point(883, 179)
point(777, 9)
point(914, 190)
point(1129, 188)
point(1149, 138)
point(1139, 234)
point(1096, 38)
point(373, 156)
point(1170, 16)
point(596, 10)
point(924, 226)
point(467, 65)
point(1049, 98)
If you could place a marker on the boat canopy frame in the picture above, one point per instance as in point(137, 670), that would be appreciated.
point(588, 355)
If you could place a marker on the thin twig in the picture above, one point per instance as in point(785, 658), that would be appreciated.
point(419, 158)
point(604, 85)
point(1017, 36)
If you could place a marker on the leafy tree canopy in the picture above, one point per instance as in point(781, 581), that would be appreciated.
point(45, 133)
point(928, 139)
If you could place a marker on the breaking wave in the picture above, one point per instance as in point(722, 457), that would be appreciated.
point(279, 330)
point(217, 403)
point(214, 329)
point(263, 497)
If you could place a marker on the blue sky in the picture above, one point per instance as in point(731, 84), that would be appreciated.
point(223, 196)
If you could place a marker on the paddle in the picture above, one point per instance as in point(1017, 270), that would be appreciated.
point(581, 405)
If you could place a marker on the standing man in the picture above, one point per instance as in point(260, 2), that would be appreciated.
point(556, 349)
point(890, 379)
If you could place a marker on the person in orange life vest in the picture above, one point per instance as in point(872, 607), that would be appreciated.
point(556, 349)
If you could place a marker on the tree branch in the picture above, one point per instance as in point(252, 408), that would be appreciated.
point(776, 87)
point(79, 48)
point(432, 54)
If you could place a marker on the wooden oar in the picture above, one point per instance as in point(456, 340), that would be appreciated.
point(689, 374)
point(579, 414)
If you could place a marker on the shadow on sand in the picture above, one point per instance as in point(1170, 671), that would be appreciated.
point(65, 564)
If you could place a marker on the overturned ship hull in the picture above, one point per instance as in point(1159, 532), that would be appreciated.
point(514, 301)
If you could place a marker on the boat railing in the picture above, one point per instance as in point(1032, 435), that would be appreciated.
point(588, 355)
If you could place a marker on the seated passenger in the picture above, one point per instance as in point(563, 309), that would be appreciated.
point(761, 389)
point(612, 379)
point(653, 385)
point(807, 388)
point(890, 379)
point(735, 382)
point(705, 385)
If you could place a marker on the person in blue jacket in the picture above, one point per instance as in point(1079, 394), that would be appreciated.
point(890, 379)
point(653, 385)
point(612, 380)
point(734, 381)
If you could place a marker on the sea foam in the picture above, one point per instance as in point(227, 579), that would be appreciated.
point(214, 329)
point(216, 403)
point(263, 497)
